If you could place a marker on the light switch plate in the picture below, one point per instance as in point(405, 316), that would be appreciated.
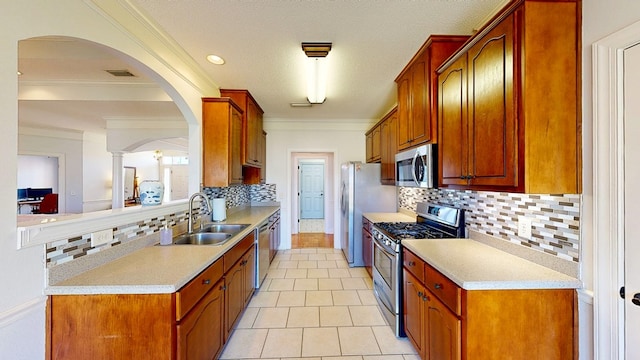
point(524, 227)
point(101, 237)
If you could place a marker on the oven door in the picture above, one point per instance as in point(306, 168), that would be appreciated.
point(385, 285)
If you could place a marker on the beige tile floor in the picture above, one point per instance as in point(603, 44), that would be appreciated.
point(313, 306)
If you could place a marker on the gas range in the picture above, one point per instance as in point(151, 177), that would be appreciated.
point(432, 222)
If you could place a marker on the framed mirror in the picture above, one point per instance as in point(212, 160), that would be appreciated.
point(130, 186)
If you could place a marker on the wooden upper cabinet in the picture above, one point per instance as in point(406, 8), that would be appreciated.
point(509, 103)
point(417, 89)
point(221, 142)
point(373, 143)
point(389, 148)
point(251, 125)
point(492, 128)
point(452, 147)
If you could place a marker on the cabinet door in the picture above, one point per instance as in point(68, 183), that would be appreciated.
point(388, 133)
point(493, 143)
point(369, 147)
point(420, 115)
point(249, 269)
point(233, 296)
point(452, 104)
point(443, 331)
point(404, 107)
point(251, 138)
point(375, 145)
point(414, 313)
point(367, 249)
point(200, 334)
point(235, 157)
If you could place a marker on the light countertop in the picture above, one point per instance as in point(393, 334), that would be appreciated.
point(475, 266)
point(159, 269)
point(389, 217)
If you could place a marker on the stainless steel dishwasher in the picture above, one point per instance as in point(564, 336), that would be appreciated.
point(262, 252)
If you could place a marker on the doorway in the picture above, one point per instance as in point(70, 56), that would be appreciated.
point(631, 246)
point(41, 171)
point(312, 213)
point(311, 195)
point(616, 152)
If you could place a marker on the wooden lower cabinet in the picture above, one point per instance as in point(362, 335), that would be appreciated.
point(414, 313)
point(367, 245)
point(445, 322)
point(443, 330)
point(239, 283)
point(199, 333)
point(193, 323)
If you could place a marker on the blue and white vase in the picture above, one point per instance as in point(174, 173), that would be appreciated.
point(151, 192)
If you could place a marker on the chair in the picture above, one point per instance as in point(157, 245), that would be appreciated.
point(49, 205)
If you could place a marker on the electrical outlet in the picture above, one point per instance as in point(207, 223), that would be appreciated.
point(101, 237)
point(524, 227)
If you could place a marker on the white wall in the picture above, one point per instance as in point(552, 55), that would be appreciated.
point(600, 18)
point(344, 138)
point(22, 323)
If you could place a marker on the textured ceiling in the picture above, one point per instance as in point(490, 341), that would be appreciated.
point(260, 40)
point(64, 83)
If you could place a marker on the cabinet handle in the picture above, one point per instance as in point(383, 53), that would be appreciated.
point(425, 298)
point(206, 282)
point(420, 294)
point(412, 263)
point(438, 286)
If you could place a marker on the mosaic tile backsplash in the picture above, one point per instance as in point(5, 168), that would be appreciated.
point(555, 218)
point(63, 251)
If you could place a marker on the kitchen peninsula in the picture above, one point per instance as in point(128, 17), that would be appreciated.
point(159, 301)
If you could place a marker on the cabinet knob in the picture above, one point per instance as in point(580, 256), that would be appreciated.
point(636, 299)
point(425, 298)
point(438, 286)
point(412, 263)
point(206, 282)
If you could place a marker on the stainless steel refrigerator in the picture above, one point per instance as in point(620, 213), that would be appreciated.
point(361, 192)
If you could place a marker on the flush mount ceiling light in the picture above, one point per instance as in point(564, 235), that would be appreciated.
point(215, 59)
point(317, 70)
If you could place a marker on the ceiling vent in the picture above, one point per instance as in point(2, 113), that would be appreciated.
point(125, 73)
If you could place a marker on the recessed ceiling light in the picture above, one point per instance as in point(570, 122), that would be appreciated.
point(215, 59)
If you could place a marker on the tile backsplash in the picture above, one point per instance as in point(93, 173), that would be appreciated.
point(64, 251)
point(555, 218)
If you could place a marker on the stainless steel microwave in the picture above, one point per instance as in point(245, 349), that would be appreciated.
point(416, 167)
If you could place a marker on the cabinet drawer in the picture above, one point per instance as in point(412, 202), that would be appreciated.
point(233, 255)
point(413, 264)
point(190, 294)
point(446, 290)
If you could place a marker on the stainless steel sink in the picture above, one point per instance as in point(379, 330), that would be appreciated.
point(203, 238)
point(223, 228)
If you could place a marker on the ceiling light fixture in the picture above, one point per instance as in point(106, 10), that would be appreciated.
point(317, 71)
point(215, 59)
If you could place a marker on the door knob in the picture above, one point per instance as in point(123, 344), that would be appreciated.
point(636, 299)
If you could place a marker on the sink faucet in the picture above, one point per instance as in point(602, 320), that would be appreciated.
point(205, 207)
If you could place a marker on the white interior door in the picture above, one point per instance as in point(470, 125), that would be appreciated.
point(631, 201)
point(311, 191)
